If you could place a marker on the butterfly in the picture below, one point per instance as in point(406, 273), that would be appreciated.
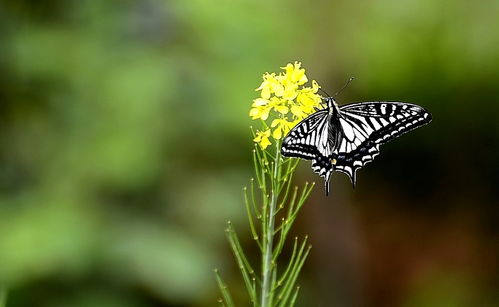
point(345, 138)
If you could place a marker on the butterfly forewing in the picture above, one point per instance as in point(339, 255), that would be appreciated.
point(367, 125)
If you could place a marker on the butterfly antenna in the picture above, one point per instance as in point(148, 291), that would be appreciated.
point(344, 86)
point(327, 95)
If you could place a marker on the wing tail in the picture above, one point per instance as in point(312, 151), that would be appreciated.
point(327, 185)
point(323, 166)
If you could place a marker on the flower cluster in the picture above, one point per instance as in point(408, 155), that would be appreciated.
point(284, 99)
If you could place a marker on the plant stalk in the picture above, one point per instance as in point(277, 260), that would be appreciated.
point(268, 249)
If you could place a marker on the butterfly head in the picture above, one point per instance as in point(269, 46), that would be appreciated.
point(331, 105)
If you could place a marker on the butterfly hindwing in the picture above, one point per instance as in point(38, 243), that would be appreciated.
point(367, 125)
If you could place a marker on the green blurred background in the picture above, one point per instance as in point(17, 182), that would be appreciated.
point(124, 144)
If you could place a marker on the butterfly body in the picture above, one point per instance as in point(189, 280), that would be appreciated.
point(348, 137)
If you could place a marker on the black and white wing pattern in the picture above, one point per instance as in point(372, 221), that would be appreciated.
point(367, 125)
point(310, 140)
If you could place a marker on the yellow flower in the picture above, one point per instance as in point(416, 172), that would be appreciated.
point(308, 98)
point(295, 73)
point(270, 84)
point(282, 126)
point(298, 111)
point(286, 100)
point(279, 105)
point(290, 91)
point(260, 109)
point(262, 138)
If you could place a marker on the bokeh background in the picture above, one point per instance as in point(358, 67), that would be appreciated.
point(124, 144)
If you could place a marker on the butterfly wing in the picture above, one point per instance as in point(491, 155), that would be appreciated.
point(367, 125)
point(309, 140)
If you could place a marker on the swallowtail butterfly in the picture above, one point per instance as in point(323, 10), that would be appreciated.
point(348, 137)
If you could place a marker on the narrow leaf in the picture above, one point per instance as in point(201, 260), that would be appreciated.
point(250, 217)
point(290, 263)
point(242, 261)
point(224, 290)
point(294, 267)
point(293, 277)
point(293, 298)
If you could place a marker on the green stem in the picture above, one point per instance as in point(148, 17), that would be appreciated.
point(268, 247)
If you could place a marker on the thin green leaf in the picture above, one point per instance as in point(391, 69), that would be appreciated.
point(224, 290)
point(293, 212)
point(284, 227)
point(304, 196)
point(250, 217)
point(293, 298)
point(290, 169)
point(293, 277)
point(252, 184)
point(221, 302)
point(286, 193)
point(242, 262)
point(286, 182)
point(272, 285)
point(290, 263)
point(259, 159)
point(233, 235)
point(292, 202)
point(257, 168)
point(269, 155)
point(294, 267)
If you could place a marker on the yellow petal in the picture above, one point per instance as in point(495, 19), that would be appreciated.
point(277, 134)
point(265, 93)
point(297, 111)
point(302, 79)
point(278, 89)
point(260, 102)
point(265, 143)
point(254, 113)
point(258, 137)
point(286, 127)
point(261, 86)
point(262, 138)
point(315, 86)
point(282, 109)
point(265, 114)
point(290, 92)
point(274, 101)
point(289, 68)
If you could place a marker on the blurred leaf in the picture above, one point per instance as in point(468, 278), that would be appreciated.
point(163, 259)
